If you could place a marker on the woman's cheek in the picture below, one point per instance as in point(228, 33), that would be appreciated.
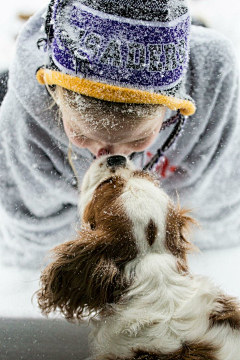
point(142, 146)
point(81, 143)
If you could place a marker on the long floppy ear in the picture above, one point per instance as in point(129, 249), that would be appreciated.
point(84, 276)
point(188, 351)
point(178, 227)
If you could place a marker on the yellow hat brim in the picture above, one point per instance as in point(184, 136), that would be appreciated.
point(111, 92)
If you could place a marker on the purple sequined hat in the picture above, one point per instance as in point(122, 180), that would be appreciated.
point(125, 51)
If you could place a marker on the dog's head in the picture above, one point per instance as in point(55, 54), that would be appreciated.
point(125, 215)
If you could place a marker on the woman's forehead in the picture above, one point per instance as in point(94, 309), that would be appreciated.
point(112, 127)
point(116, 130)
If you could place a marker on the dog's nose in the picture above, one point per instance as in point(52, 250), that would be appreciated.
point(116, 160)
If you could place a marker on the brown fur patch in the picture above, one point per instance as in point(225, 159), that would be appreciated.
point(199, 351)
point(151, 232)
point(227, 313)
point(87, 273)
point(146, 175)
point(178, 225)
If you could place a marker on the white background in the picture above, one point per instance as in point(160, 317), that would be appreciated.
point(223, 266)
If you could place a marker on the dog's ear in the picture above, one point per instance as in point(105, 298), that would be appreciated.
point(83, 277)
point(178, 227)
point(188, 351)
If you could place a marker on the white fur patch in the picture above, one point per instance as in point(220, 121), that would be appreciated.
point(143, 202)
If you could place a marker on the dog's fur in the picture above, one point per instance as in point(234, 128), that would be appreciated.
point(128, 270)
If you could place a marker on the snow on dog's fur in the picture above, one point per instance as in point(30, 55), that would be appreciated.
point(127, 269)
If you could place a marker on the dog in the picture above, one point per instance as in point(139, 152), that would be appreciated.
point(127, 271)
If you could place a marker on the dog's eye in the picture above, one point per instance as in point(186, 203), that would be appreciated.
point(92, 225)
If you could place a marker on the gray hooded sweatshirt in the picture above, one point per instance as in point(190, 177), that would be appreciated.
point(38, 196)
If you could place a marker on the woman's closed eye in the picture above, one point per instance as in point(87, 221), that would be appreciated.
point(84, 138)
point(79, 140)
point(140, 140)
point(77, 136)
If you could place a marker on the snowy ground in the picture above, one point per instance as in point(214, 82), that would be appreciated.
point(17, 287)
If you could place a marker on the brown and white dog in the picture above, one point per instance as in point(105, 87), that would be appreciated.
point(127, 269)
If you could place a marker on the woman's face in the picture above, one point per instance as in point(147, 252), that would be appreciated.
point(110, 136)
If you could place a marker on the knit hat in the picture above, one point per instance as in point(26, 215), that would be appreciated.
point(131, 51)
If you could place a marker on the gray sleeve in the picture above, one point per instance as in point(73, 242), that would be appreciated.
point(37, 199)
point(209, 176)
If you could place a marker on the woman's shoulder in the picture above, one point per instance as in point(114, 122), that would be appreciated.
point(33, 25)
point(210, 46)
point(33, 99)
point(27, 54)
point(27, 59)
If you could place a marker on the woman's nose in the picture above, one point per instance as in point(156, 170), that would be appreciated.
point(108, 150)
point(102, 151)
point(113, 150)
